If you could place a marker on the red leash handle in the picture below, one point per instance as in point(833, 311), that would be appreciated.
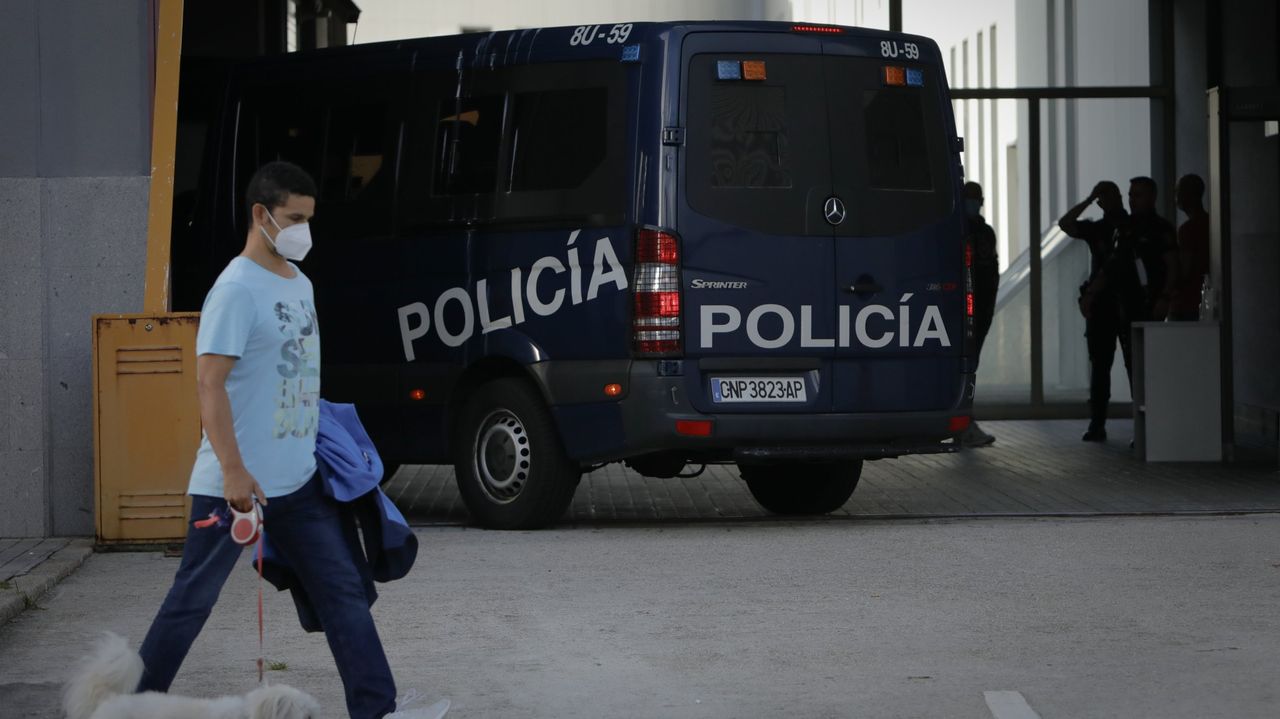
point(261, 651)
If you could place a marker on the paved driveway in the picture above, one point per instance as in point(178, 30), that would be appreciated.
point(1034, 468)
point(1110, 617)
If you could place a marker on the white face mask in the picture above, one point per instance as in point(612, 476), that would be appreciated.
point(291, 243)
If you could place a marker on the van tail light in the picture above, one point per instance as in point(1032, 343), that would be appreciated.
point(968, 282)
point(970, 322)
point(657, 322)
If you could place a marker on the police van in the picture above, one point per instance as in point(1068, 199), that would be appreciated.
point(668, 244)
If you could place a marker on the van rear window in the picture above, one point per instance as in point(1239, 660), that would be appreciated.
point(748, 134)
point(756, 148)
point(764, 154)
point(897, 148)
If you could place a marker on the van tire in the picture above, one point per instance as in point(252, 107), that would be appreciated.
point(802, 487)
point(511, 467)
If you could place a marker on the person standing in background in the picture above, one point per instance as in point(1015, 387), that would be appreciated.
point(1101, 311)
point(986, 281)
point(1193, 250)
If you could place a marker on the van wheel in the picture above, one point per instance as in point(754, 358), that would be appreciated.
point(802, 488)
point(511, 468)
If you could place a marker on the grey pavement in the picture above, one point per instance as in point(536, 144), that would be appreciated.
point(1085, 617)
point(1035, 468)
point(29, 568)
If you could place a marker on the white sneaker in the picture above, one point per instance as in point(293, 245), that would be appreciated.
point(435, 711)
point(975, 437)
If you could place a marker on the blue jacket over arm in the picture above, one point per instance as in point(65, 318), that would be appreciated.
point(350, 471)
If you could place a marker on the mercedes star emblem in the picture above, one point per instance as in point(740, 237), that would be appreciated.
point(833, 210)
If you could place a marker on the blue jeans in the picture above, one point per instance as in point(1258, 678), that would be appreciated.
point(306, 529)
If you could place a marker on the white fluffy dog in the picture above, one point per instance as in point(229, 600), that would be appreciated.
point(103, 686)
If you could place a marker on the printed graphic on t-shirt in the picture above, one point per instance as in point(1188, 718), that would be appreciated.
point(298, 412)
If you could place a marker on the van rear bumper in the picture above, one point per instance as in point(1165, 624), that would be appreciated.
point(773, 437)
point(646, 420)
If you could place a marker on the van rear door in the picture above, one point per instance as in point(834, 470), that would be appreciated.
point(756, 251)
point(899, 251)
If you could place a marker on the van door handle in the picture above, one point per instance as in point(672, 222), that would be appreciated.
point(865, 288)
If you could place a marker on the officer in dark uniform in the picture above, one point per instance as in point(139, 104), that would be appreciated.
point(1141, 272)
point(1144, 266)
point(1102, 321)
point(986, 281)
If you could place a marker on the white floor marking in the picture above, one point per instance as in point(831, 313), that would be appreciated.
point(1009, 705)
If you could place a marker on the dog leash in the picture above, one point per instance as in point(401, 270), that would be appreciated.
point(261, 624)
point(245, 528)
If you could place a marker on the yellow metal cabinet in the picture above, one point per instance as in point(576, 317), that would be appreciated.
point(146, 421)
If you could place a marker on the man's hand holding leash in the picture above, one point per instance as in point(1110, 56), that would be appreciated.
point(240, 488)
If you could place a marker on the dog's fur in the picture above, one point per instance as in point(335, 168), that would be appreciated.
point(103, 685)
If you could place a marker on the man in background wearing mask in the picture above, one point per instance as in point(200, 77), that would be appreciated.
point(986, 281)
point(1102, 321)
point(258, 378)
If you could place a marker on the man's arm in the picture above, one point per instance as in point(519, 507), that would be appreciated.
point(238, 486)
point(1070, 222)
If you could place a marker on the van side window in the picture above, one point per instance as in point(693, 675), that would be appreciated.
point(748, 136)
point(358, 152)
point(547, 125)
point(272, 128)
point(468, 142)
point(357, 184)
point(897, 148)
point(294, 134)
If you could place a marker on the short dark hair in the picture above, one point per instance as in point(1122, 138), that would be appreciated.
point(272, 184)
point(1145, 181)
point(1192, 183)
point(1107, 185)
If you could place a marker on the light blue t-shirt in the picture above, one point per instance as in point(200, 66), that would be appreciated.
point(269, 323)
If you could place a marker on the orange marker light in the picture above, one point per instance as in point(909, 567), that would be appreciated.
point(417, 394)
point(613, 390)
point(895, 75)
point(753, 70)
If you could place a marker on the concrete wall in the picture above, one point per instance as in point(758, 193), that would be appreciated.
point(74, 153)
point(1249, 30)
point(1191, 80)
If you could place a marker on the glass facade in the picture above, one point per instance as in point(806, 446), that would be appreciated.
point(1011, 56)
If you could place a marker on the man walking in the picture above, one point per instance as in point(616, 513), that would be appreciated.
point(258, 373)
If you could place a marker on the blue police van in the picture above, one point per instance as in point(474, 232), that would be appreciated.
point(668, 244)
